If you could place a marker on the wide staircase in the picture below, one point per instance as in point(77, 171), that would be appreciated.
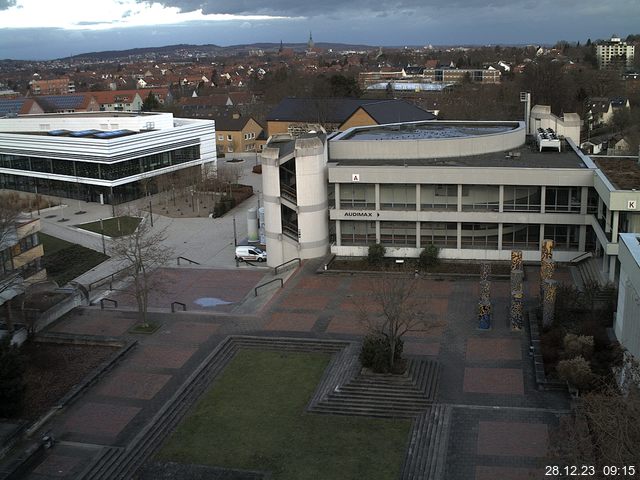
point(590, 273)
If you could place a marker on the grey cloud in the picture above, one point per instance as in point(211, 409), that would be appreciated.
point(407, 7)
point(5, 4)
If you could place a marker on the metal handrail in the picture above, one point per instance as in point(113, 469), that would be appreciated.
point(255, 290)
point(173, 306)
point(114, 302)
point(286, 263)
point(109, 277)
point(187, 259)
point(581, 257)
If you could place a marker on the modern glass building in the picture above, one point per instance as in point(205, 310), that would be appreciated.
point(100, 156)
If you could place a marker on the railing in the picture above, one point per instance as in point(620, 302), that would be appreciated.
point(288, 193)
point(275, 270)
point(187, 259)
point(582, 256)
point(113, 302)
point(110, 278)
point(173, 306)
point(255, 290)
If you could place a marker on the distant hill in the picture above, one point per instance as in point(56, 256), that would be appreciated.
point(180, 50)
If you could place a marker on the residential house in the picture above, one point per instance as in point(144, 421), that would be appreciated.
point(237, 134)
point(119, 100)
point(299, 115)
point(55, 86)
point(600, 110)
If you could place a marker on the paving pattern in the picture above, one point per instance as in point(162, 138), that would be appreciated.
point(497, 421)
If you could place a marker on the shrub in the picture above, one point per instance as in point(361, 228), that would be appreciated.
point(576, 372)
point(12, 386)
point(376, 254)
point(429, 256)
point(578, 345)
point(376, 354)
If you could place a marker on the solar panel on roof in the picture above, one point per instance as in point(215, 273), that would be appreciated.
point(10, 106)
point(58, 133)
point(84, 133)
point(113, 134)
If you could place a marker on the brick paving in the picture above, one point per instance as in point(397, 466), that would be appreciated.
point(515, 439)
point(126, 384)
point(500, 421)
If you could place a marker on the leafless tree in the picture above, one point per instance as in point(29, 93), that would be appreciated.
point(403, 307)
point(603, 430)
point(141, 253)
point(10, 279)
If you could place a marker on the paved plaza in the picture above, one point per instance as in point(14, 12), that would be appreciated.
point(500, 423)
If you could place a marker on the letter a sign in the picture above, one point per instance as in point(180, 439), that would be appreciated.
point(355, 177)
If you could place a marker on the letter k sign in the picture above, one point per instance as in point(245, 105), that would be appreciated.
point(632, 205)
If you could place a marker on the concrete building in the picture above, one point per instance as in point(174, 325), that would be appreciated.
point(101, 156)
point(56, 86)
point(615, 52)
point(20, 258)
point(476, 190)
point(627, 322)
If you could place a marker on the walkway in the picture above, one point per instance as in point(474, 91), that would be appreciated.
point(500, 422)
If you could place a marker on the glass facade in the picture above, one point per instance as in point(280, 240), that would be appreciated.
point(442, 235)
point(397, 196)
point(357, 233)
point(398, 234)
point(102, 171)
point(480, 235)
point(565, 237)
point(480, 198)
point(562, 199)
point(438, 197)
point(521, 199)
point(358, 196)
point(518, 236)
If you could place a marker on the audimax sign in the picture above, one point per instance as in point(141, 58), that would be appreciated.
point(359, 213)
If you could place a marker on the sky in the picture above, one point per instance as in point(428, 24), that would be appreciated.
point(48, 29)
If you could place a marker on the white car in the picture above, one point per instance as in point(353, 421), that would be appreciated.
point(250, 253)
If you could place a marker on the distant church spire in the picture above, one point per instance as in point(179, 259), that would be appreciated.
point(281, 47)
point(310, 43)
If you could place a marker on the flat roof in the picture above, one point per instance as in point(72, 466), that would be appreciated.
point(428, 130)
point(526, 156)
point(623, 173)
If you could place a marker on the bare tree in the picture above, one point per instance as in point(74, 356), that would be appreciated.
point(10, 279)
point(403, 308)
point(141, 254)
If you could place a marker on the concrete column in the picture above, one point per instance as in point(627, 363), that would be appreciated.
point(501, 199)
point(418, 235)
point(459, 234)
point(459, 197)
point(337, 195)
point(377, 231)
point(500, 226)
point(600, 204)
point(584, 200)
point(543, 198)
point(418, 197)
point(614, 227)
point(612, 268)
point(607, 221)
point(541, 235)
point(582, 238)
point(605, 260)
point(377, 196)
point(338, 233)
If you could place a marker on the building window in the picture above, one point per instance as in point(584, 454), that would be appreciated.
point(562, 199)
point(519, 236)
point(398, 234)
point(357, 233)
point(397, 196)
point(480, 236)
point(522, 199)
point(480, 198)
point(357, 196)
point(442, 235)
point(565, 237)
point(220, 138)
point(438, 197)
point(229, 138)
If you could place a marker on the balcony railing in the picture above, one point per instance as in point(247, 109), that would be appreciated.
point(289, 193)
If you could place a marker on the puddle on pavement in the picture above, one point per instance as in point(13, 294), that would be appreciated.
point(211, 302)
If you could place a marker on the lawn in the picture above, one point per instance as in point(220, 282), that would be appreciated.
point(253, 419)
point(65, 261)
point(113, 227)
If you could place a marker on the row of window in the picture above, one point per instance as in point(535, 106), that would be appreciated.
point(26, 243)
point(104, 171)
point(474, 198)
point(247, 136)
point(445, 235)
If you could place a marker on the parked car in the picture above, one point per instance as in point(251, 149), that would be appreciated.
point(250, 253)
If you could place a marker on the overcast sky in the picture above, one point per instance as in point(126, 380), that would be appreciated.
point(46, 29)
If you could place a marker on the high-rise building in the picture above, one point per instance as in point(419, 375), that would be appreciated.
point(613, 52)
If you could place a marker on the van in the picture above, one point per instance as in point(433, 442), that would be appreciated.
point(250, 253)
